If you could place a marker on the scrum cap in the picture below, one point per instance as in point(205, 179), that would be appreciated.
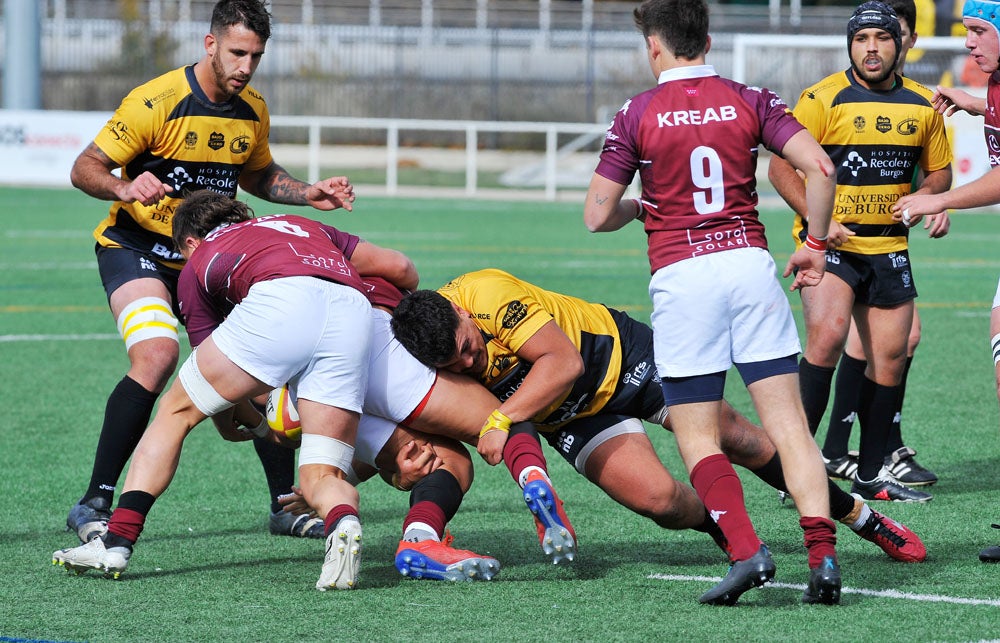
point(984, 10)
point(877, 15)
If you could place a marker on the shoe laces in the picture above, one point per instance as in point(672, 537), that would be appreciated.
point(876, 527)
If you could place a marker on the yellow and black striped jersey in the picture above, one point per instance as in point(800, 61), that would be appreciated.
point(509, 311)
point(876, 140)
point(168, 126)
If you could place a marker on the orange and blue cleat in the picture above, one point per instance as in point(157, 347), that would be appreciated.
point(554, 530)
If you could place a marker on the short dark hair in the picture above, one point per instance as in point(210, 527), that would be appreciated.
point(252, 14)
point(905, 10)
point(681, 24)
point(203, 211)
point(424, 322)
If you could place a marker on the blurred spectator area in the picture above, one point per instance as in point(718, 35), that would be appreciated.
point(485, 60)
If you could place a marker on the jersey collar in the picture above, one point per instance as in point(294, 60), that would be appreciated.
point(686, 72)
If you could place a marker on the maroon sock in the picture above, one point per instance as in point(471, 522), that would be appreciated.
point(338, 512)
point(427, 513)
point(711, 528)
point(719, 488)
point(820, 538)
point(521, 451)
point(127, 524)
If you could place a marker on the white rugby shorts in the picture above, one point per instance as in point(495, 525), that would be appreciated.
point(996, 297)
point(312, 334)
point(397, 383)
point(712, 311)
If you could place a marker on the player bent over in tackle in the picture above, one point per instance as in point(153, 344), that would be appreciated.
point(406, 392)
point(497, 328)
point(259, 317)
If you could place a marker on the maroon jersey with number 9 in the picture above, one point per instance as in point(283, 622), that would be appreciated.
point(693, 140)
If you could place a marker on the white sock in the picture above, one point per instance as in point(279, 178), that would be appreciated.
point(418, 531)
point(522, 478)
point(862, 518)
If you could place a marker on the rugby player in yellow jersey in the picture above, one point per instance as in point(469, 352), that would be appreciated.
point(899, 458)
point(878, 127)
point(199, 126)
point(584, 374)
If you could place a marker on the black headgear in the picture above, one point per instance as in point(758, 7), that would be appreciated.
point(877, 15)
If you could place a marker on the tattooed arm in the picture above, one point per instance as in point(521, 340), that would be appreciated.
point(273, 183)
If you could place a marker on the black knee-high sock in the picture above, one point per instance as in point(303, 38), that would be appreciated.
point(441, 488)
point(847, 392)
point(841, 502)
point(878, 406)
point(125, 418)
point(279, 469)
point(896, 432)
point(814, 383)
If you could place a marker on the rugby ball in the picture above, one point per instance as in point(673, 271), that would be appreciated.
point(281, 414)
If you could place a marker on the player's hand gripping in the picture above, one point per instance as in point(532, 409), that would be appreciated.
point(413, 462)
point(493, 437)
point(295, 503)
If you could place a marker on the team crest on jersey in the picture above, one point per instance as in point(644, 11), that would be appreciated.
point(908, 127)
point(516, 311)
point(500, 366)
point(240, 144)
point(216, 140)
point(883, 124)
point(859, 123)
point(190, 140)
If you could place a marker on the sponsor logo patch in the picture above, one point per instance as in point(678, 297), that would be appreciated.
point(516, 311)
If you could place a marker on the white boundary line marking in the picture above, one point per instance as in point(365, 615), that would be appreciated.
point(887, 593)
point(58, 338)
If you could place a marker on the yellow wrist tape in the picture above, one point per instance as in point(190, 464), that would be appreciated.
point(497, 421)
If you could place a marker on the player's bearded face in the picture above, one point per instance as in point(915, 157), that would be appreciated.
point(235, 59)
point(873, 56)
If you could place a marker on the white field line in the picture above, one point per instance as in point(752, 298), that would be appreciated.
point(878, 593)
point(59, 338)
